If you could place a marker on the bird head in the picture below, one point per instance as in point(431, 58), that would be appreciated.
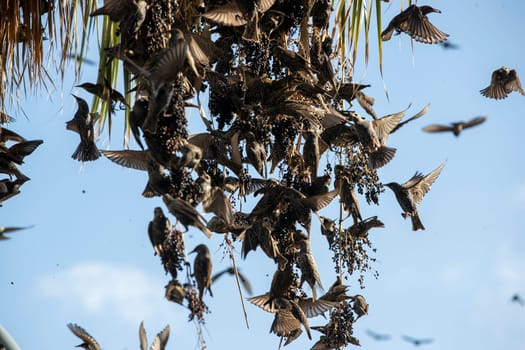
point(200, 249)
point(428, 9)
point(158, 213)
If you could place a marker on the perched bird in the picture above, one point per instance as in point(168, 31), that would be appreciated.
point(89, 343)
point(328, 229)
point(414, 21)
point(518, 299)
point(336, 292)
point(308, 266)
point(457, 127)
point(202, 267)
point(377, 336)
point(504, 81)
point(185, 213)
point(289, 317)
point(256, 153)
point(160, 341)
point(359, 305)
point(9, 230)
point(311, 151)
point(410, 194)
point(360, 229)
point(158, 229)
point(82, 123)
point(416, 341)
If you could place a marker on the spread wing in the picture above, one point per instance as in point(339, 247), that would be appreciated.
point(423, 186)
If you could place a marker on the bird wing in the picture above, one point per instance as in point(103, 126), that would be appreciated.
point(264, 5)
point(496, 89)
point(386, 124)
point(129, 158)
point(514, 83)
point(8, 135)
point(474, 122)
point(170, 64)
point(421, 30)
point(219, 204)
point(315, 308)
point(416, 116)
point(320, 201)
point(159, 343)
point(284, 323)
point(423, 186)
point(142, 337)
point(13, 229)
point(437, 128)
point(262, 301)
point(228, 15)
point(84, 335)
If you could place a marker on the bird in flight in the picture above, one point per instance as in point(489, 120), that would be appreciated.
point(504, 81)
point(457, 127)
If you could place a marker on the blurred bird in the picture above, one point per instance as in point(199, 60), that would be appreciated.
point(359, 306)
point(186, 214)
point(159, 343)
point(176, 292)
point(516, 298)
point(457, 127)
point(410, 194)
point(360, 229)
point(447, 45)
point(504, 81)
point(245, 283)
point(137, 116)
point(347, 195)
point(82, 123)
point(288, 320)
point(202, 267)
point(89, 343)
point(158, 230)
point(417, 342)
point(10, 229)
point(377, 336)
point(256, 153)
point(214, 200)
point(414, 21)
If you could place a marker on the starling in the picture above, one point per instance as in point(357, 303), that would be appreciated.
point(359, 306)
point(373, 136)
point(328, 229)
point(377, 336)
point(360, 229)
point(9, 189)
point(131, 12)
point(8, 135)
point(502, 83)
point(202, 267)
point(455, 128)
point(19, 151)
point(311, 152)
point(176, 292)
point(410, 194)
point(9, 229)
point(260, 234)
point(185, 213)
point(414, 21)
point(336, 292)
point(308, 266)
point(245, 283)
point(256, 153)
point(89, 343)
point(105, 92)
point(416, 341)
point(158, 230)
point(137, 116)
point(288, 320)
point(347, 195)
point(82, 123)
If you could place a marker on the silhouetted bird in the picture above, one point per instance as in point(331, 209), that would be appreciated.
point(414, 21)
point(410, 194)
point(89, 343)
point(417, 342)
point(158, 230)
point(202, 266)
point(377, 336)
point(105, 92)
point(82, 123)
point(307, 265)
point(447, 45)
point(9, 230)
point(455, 128)
point(17, 152)
point(518, 299)
point(503, 82)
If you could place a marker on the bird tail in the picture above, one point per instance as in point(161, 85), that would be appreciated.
point(86, 152)
point(381, 156)
point(416, 222)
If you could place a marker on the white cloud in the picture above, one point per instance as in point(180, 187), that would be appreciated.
point(99, 288)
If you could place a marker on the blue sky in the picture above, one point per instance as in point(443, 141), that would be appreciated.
point(88, 259)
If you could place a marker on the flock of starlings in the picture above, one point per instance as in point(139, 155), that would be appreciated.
point(265, 94)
